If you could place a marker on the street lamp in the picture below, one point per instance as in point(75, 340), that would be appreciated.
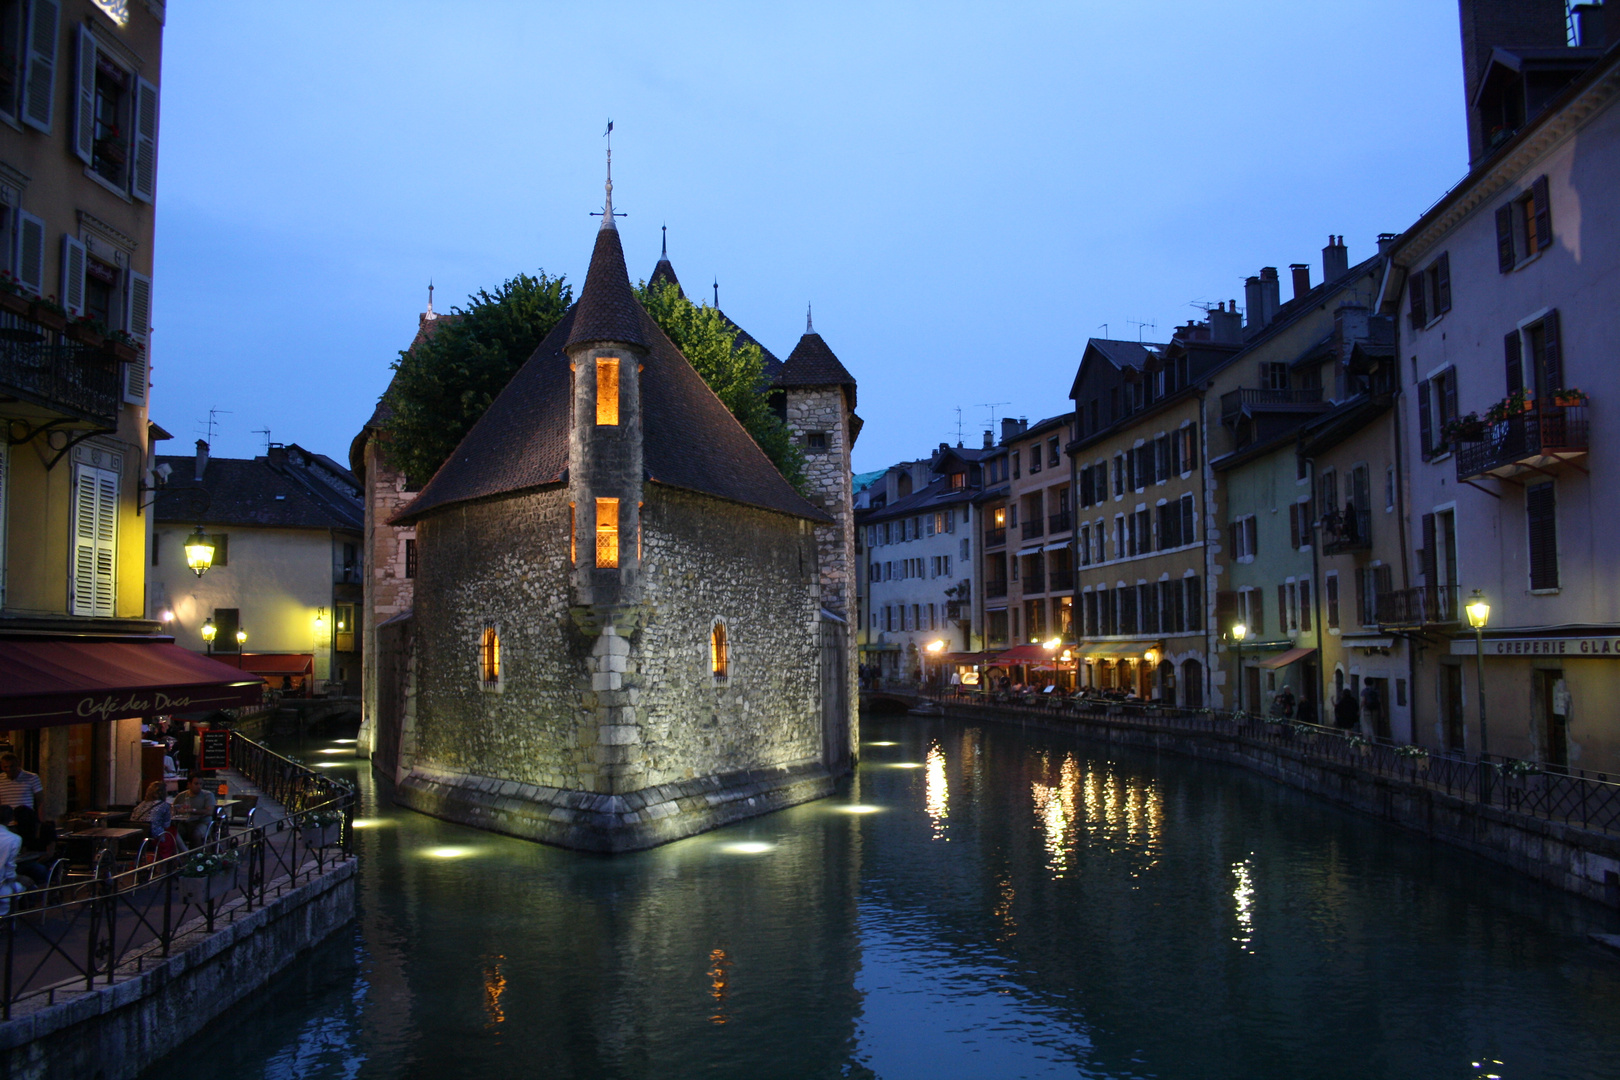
point(208, 632)
point(1239, 632)
point(241, 639)
point(199, 552)
point(1479, 613)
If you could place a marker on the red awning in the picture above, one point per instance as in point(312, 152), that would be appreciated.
point(272, 663)
point(1282, 660)
point(45, 683)
point(1025, 654)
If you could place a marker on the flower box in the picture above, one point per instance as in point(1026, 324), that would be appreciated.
point(320, 836)
point(85, 335)
point(16, 303)
point(126, 353)
point(200, 888)
point(47, 317)
point(1570, 399)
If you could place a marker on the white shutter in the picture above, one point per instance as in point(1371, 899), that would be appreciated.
point(30, 252)
point(95, 532)
point(39, 83)
point(137, 323)
point(84, 100)
point(145, 142)
point(72, 294)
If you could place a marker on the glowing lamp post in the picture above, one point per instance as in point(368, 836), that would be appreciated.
point(1479, 613)
point(199, 552)
point(1239, 632)
point(209, 630)
point(934, 649)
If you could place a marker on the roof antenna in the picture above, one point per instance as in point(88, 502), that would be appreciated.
point(809, 325)
point(430, 316)
point(265, 431)
point(993, 406)
point(607, 213)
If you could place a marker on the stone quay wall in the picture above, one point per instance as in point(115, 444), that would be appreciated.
point(388, 591)
point(115, 1032)
point(1563, 856)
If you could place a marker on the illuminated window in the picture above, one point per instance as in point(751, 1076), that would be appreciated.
point(607, 390)
point(1001, 517)
point(719, 652)
point(573, 538)
point(607, 532)
point(490, 656)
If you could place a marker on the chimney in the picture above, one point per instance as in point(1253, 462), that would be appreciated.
point(1302, 278)
point(1335, 260)
point(1264, 294)
point(1253, 303)
point(1386, 241)
point(1590, 27)
point(1226, 326)
point(1009, 429)
point(202, 458)
point(277, 453)
point(1487, 24)
point(989, 438)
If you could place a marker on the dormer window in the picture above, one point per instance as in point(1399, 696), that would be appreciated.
point(607, 390)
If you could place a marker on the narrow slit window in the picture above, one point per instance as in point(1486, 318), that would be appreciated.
point(719, 651)
point(490, 655)
point(573, 538)
point(607, 532)
point(607, 390)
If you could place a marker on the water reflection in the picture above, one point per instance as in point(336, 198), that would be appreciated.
point(1083, 902)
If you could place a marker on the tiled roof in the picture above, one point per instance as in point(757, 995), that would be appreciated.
point(607, 308)
point(690, 439)
point(812, 363)
point(253, 491)
point(938, 493)
point(664, 274)
point(1125, 354)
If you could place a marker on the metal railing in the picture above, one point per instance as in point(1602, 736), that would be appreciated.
point(42, 366)
point(1062, 521)
point(1234, 402)
point(995, 537)
point(1545, 431)
point(995, 588)
point(77, 933)
point(1032, 529)
point(1544, 792)
point(1344, 530)
point(1424, 605)
point(1060, 581)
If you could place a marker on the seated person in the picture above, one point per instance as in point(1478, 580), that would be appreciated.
point(38, 844)
point(10, 845)
point(199, 801)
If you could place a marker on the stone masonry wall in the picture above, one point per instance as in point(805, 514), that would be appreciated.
point(387, 590)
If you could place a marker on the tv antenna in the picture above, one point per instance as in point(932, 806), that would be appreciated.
point(211, 425)
point(993, 406)
point(265, 431)
point(1142, 325)
point(1104, 328)
point(959, 424)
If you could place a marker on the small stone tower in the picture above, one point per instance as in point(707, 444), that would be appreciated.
point(819, 408)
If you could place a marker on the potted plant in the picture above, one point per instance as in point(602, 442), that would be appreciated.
point(1514, 404)
point(88, 331)
point(1468, 428)
point(1418, 756)
point(1359, 744)
point(12, 296)
point(111, 145)
point(48, 313)
point(1305, 731)
point(206, 875)
point(321, 827)
point(122, 345)
point(1570, 398)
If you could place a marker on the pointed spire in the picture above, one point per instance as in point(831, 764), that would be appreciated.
point(663, 252)
point(663, 273)
point(809, 323)
point(607, 198)
point(607, 308)
point(716, 292)
point(429, 314)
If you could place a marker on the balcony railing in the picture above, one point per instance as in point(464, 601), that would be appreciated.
point(1062, 521)
point(995, 588)
point(43, 367)
point(1060, 581)
point(1422, 606)
point(1032, 529)
point(1346, 530)
point(1236, 402)
point(1525, 443)
point(995, 537)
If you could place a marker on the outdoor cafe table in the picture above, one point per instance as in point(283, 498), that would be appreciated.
point(104, 837)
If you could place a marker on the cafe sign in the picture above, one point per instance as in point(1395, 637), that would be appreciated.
point(1575, 648)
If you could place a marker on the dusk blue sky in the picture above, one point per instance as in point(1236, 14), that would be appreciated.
point(965, 192)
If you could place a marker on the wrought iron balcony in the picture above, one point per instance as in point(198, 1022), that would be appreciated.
point(1244, 399)
point(42, 367)
point(995, 537)
point(995, 588)
point(1060, 581)
point(1423, 606)
point(1346, 530)
point(1529, 442)
point(1060, 522)
point(1032, 529)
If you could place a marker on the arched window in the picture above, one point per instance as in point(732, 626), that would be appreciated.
point(490, 656)
point(719, 651)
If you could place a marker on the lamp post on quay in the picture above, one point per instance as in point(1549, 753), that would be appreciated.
point(208, 631)
point(1479, 613)
point(1239, 632)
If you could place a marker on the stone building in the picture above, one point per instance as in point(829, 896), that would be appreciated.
point(627, 626)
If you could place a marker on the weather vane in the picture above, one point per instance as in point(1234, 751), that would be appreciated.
point(607, 213)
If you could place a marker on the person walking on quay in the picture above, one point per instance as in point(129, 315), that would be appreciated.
point(1345, 713)
point(1282, 706)
point(18, 786)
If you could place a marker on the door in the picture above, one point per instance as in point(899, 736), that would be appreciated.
point(1451, 707)
point(1552, 696)
point(1378, 714)
point(1251, 691)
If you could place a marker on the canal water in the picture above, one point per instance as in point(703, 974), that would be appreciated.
point(978, 901)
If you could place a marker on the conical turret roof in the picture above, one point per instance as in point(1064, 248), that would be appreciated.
point(812, 363)
point(607, 308)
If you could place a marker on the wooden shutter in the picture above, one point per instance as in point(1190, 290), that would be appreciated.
point(1282, 608)
point(39, 84)
point(1552, 356)
point(1442, 283)
point(1513, 356)
point(1361, 596)
point(1293, 526)
point(1257, 612)
point(1540, 507)
point(1414, 291)
point(1191, 456)
point(30, 252)
point(73, 256)
point(1505, 256)
point(144, 187)
point(1305, 605)
point(84, 97)
point(1425, 421)
point(1251, 534)
point(1431, 569)
point(1189, 534)
point(95, 533)
point(1448, 394)
point(137, 323)
point(1538, 192)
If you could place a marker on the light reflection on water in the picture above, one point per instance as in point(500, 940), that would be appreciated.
point(1081, 922)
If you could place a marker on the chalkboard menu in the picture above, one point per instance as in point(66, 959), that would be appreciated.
point(216, 749)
